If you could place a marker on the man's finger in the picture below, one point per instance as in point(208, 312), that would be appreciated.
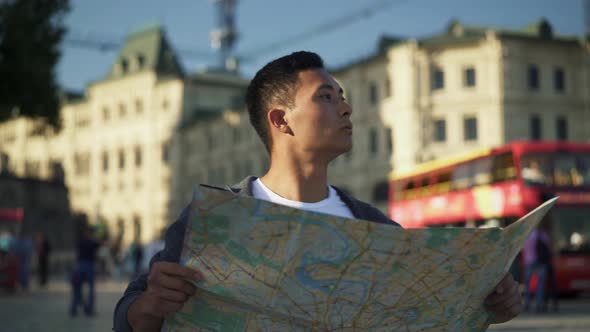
point(172, 295)
point(175, 269)
point(174, 283)
point(505, 303)
point(504, 283)
point(496, 298)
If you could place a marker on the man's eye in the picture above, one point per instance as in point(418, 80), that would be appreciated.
point(326, 96)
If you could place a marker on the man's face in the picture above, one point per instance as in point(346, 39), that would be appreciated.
point(320, 118)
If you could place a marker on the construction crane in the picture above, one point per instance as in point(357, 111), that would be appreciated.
point(224, 36)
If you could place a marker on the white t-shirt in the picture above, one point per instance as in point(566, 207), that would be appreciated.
point(332, 205)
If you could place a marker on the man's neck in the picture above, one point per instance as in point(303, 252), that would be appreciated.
point(297, 180)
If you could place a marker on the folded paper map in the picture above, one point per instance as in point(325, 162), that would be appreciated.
point(268, 267)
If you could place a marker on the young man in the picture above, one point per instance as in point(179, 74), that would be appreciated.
point(299, 112)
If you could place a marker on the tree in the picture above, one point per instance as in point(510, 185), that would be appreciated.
point(30, 34)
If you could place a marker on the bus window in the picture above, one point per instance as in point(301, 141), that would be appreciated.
point(482, 171)
point(532, 172)
point(564, 170)
point(408, 191)
point(399, 187)
point(556, 169)
point(461, 177)
point(503, 167)
point(584, 170)
point(426, 188)
point(442, 182)
point(571, 229)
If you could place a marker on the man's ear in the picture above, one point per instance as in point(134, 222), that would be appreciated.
point(276, 119)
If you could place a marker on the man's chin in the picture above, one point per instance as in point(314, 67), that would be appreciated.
point(344, 149)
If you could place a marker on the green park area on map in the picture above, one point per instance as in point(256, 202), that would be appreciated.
point(269, 267)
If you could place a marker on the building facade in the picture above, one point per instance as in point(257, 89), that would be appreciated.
point(135, 144)
point(114, 145)
point(475, 87)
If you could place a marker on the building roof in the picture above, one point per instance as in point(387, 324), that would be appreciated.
point(385, 42)
point(198, 114)
point(458, 33)
point(219, 78)
point(147, 49)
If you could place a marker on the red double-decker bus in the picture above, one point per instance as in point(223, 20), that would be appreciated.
point(495, 187)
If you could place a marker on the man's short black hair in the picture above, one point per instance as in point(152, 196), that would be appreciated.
point(276, 84)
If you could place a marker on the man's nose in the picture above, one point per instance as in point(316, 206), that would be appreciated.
point(345, 108)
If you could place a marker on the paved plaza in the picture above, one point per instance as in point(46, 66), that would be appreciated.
point(47, 310)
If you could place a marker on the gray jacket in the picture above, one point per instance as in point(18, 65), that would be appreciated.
point(175, 237)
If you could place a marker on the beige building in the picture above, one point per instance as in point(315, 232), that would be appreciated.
point(478, 87)
point(115, 139)
point(137, 142)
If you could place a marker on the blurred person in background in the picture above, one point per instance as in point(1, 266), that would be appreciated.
point(84, 272)
point(22, 247)
point(137, 258)
point(537, 257)
point(43, 249)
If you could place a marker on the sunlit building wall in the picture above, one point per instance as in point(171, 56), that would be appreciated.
point(135, 144)
point(114, 145)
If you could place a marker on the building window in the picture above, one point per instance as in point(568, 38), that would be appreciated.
point(561, 127)
point(559, 80)
point(469, 77)
point(440, 130)
point(137, 156)
point(438, 79)
point(533, 77)
point(165, 151)
point(389, 140)
point(136, 228)
point(122, 110)
point(387, 87)
point(121, 159)
point(140, 61)
point(138, 106)
point(373, 96)
point(124, 66)
point(470, 128)
point(105, 161)
point(535, 127)
point(82, 163)
point(105, 114)
point(373, 142)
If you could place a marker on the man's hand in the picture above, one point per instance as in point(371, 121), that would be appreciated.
point(505, 302)
point(167, 291)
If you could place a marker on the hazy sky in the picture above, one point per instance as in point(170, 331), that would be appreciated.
point(263, 22)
